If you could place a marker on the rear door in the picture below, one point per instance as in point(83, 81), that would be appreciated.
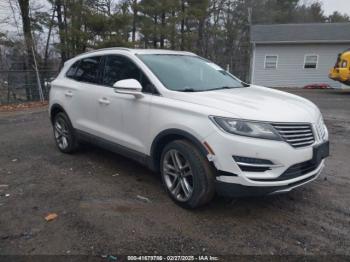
point(63, 91)
point(84, 94)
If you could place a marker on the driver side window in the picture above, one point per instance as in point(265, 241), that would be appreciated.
point(120, 68)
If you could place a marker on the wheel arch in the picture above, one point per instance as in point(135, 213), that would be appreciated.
point(54, 110)
point(167, 136)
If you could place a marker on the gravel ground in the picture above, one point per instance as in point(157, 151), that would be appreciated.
point(98, 197)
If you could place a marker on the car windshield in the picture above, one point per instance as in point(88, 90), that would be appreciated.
point(187, 73)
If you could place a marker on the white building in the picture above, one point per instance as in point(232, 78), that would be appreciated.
point(295, 55)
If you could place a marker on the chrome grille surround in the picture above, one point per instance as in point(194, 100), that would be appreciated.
point(297, 135)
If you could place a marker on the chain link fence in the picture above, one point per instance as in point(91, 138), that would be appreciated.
point(18, 86)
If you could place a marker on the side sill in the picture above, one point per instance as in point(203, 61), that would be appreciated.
point(115, 148)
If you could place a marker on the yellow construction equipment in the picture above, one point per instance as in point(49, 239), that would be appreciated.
point(341, 71)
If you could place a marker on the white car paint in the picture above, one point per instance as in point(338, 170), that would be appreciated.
point(134, 122)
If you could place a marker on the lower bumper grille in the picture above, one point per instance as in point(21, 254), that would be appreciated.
point(320, 152)
point(295, 171)
point(299, 170)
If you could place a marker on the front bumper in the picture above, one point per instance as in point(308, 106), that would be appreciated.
point(237, 190)
point(232, 181)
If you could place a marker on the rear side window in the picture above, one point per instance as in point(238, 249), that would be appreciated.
point(88, 70)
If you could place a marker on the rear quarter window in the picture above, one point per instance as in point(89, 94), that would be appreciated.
point(86, 70)
point(72, 70)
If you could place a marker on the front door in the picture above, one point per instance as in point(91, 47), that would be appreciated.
point(124, 118)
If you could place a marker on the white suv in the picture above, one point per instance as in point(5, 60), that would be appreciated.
point(203, 129)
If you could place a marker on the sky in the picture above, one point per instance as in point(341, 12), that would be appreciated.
point(342, 6)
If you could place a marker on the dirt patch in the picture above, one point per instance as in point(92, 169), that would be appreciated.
point(23, 106)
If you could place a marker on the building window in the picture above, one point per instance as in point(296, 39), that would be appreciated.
point(271, 61)
point(310, 61)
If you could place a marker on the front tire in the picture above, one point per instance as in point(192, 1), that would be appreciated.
point(64, 134)
point(187, 175)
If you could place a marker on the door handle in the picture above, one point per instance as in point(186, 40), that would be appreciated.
point(68, 93)
point(104, 101)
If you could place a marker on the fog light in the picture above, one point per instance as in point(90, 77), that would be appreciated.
point(249, 164)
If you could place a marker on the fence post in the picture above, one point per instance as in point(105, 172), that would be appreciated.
point(38, 78)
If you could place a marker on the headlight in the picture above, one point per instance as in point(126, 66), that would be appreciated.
point(247, 128)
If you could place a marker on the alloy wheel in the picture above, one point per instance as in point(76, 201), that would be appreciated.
point(61, 133)
point(178, 175)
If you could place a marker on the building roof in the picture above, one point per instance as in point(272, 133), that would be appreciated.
point(301, 33)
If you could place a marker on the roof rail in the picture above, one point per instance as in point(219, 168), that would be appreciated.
point(96, 50)
point(106, 49)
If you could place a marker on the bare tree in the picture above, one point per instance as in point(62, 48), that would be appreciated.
point(27, 31)
point(134, 7)
point(62, 28)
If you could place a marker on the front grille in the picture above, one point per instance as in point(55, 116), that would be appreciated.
point(297, 135)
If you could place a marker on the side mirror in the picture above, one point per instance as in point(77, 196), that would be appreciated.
point(128, 86)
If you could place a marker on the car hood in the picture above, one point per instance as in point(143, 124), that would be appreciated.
point(256, 103)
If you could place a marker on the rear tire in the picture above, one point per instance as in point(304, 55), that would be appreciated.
point(64, 134)
point(187, 175)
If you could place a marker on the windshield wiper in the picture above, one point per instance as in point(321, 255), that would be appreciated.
point(205, 90)
point(221, 88)
point(187, 90)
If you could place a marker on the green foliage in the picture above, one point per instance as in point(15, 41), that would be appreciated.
point(40, 21)
point(337, 17)
point(178, 24)
point(216, 29)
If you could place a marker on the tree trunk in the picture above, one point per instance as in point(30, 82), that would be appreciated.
point(155, 40)
point(62, 32)
point(200, 36)
point(134, 20)
point(173, 31)
point(182, 44)
point(27, 32)
point(162, 30)
point(48, 38)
